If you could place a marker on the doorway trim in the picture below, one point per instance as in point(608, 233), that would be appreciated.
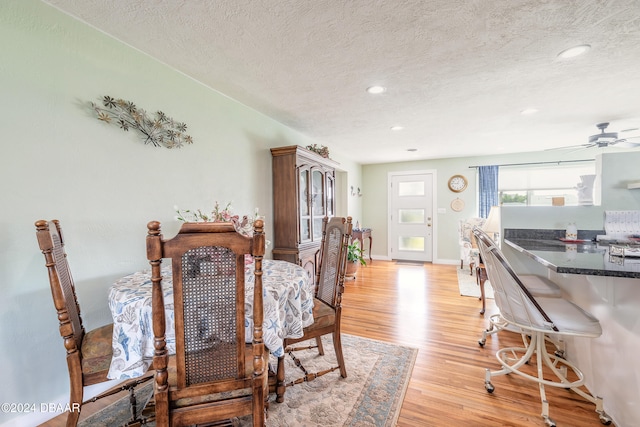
point(434, 196)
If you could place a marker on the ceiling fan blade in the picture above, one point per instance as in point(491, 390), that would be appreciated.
point(567, 147)
point(580, 148)
point(626, 143)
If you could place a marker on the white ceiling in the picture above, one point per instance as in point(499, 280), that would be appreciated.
point(457, 72)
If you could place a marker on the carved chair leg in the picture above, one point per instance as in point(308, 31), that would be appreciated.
point(76, 396)
point(74, 415)
point(280, 387)
point(337, 344)
point(471, 264)
point(319, 344)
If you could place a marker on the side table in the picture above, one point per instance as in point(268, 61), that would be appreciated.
point(481, 277)
point(361, 234)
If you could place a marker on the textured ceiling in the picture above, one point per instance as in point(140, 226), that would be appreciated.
point(457, 72)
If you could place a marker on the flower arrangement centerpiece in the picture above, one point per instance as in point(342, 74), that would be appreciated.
point(243, 225)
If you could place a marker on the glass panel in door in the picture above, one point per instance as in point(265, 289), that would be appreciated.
point(304, 192)
point(305, 231)
point(330, 196)
point(305, 212)
point(317, 229)
point(411, 188)
point(411, 216)
point(318, 201)
point(317, 193)
point(411, 243)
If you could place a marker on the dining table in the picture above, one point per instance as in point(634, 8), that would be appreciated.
point(287, 301)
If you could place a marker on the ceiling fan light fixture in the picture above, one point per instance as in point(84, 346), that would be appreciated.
point(528, 111)
point(397, 127)
point(572, 52)
point(603, 138)
point(607, 137)
point(375, 90)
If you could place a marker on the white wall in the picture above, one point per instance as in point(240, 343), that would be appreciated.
point(103, 184)
point(610, 362)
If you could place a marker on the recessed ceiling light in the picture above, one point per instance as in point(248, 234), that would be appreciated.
point(376, 89)
point(397, 127)
point(528, 111)
point(412, 149)
point(574, 51)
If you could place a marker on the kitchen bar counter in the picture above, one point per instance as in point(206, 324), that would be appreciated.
point(610, 291)
point(587, 258)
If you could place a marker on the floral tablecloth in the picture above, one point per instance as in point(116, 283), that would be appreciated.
point(287, 300)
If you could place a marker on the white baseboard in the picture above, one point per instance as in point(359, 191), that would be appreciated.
point(435, 261)
point(447, 261)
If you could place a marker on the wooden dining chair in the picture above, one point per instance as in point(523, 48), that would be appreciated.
point(88, 353)
point(216, 375)
point(327, 308)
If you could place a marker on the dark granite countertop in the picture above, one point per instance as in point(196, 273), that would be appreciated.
point(589, 257)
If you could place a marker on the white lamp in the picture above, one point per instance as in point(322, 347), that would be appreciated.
point(492, 225)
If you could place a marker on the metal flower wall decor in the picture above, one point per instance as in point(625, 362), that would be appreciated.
point(161, 130)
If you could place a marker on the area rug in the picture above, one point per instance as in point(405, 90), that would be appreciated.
point(372, 394)
point(378, 374)
point(469, 287)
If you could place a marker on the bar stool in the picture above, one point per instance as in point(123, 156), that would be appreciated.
point(538, 318)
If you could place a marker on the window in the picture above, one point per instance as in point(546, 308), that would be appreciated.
point(415, 188)
point(411, 216)
point(536, 185)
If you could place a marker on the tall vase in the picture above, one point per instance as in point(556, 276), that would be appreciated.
point(585, 190)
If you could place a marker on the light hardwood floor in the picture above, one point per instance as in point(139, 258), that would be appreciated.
point(420, 306)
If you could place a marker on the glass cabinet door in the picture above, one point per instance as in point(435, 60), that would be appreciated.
point(305, 211)
point(317, 192)
point(318, 201)
point(330, 196)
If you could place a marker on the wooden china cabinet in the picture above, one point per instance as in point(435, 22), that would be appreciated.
point(303, 194)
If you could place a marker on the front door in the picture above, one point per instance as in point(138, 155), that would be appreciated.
point(411, 216)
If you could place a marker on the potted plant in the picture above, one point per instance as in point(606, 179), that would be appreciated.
point(354, 259)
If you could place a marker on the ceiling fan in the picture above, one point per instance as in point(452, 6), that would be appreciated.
point(608, 139)
point(605, 139)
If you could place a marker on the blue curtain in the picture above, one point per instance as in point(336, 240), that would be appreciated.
point(488, 178)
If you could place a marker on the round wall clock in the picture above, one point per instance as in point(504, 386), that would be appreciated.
point(457, 183)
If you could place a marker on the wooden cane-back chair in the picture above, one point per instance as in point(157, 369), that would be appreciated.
point(88, 353)
point(217, 374)
point(327, 302)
